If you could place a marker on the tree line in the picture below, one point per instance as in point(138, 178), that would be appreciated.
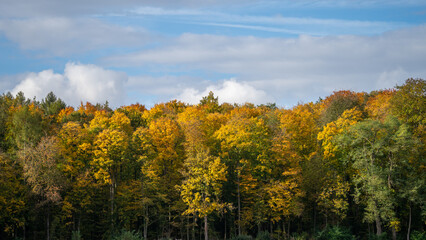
point(351, 164)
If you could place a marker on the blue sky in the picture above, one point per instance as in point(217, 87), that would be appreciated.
point(286, 52)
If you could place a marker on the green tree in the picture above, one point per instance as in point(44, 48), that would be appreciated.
point(13, 204)
point(409, 102)
point(52, 105)
point(210, 103)
point(378, 151)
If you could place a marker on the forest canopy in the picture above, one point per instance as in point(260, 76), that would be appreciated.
point(351, 164)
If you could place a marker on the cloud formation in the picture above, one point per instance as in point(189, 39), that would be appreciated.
point(62, 36)
point(230, 91)
point(78, 83)
point(301, 68)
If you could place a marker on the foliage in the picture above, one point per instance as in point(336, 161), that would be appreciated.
point(416, 235)
point(409, 102)
point(128, 235)
point(242, 237)
point(176, 170)
point(335, 232)
point(263, 236)
point(75, 235)
point(201, 189)
point(300, 236)
point(41, 169)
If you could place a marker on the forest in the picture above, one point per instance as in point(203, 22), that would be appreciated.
point(349, 166)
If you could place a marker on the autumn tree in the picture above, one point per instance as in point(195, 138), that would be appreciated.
point(202, 186)
point(161, 167)
point(333, 195)
point(334, 105)
point(110, 149)
point(245, 145)
point(77, 149)
point(379, 105)
point(41, 171)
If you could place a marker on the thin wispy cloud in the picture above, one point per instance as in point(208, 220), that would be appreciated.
point(258, 28)
point(278, 24)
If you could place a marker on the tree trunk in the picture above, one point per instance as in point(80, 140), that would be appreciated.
point(187, 228)
point(169, 226)
point(315, 219)
point(288, 229)
point(145, 224)
point(48, 223)
point(393, 233)
point(409, 224)
point(239, 204)
point(378, 226)
point(206, 228)
point(193, 227)
point(79, 221)
point(225, 229)
point(112, 197)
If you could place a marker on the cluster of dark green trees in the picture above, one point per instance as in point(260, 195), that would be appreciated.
point(350, 166)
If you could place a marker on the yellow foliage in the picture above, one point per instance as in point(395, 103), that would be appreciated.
point(109, 149)
point(347, 119)
point(201, 188)
point(300, 127)
point(378, 107)
point(333, 197)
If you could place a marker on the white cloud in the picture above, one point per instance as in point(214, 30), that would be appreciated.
point(230, 91)
point(62, 36)
point(391, 78)
point(296, 69)
point(78, 83)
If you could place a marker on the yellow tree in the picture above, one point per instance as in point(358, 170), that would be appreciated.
point(202, 186)
point(198, 124)
point(378, 107)
point(292, 143)
point(163, 140)
point(134, 112)
point(76, 147)
point(110, 149)
point(300, 126)
point(333, 193)
point(141, 195)
point(245, 145)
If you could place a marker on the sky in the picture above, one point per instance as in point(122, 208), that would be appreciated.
point(259, 51)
